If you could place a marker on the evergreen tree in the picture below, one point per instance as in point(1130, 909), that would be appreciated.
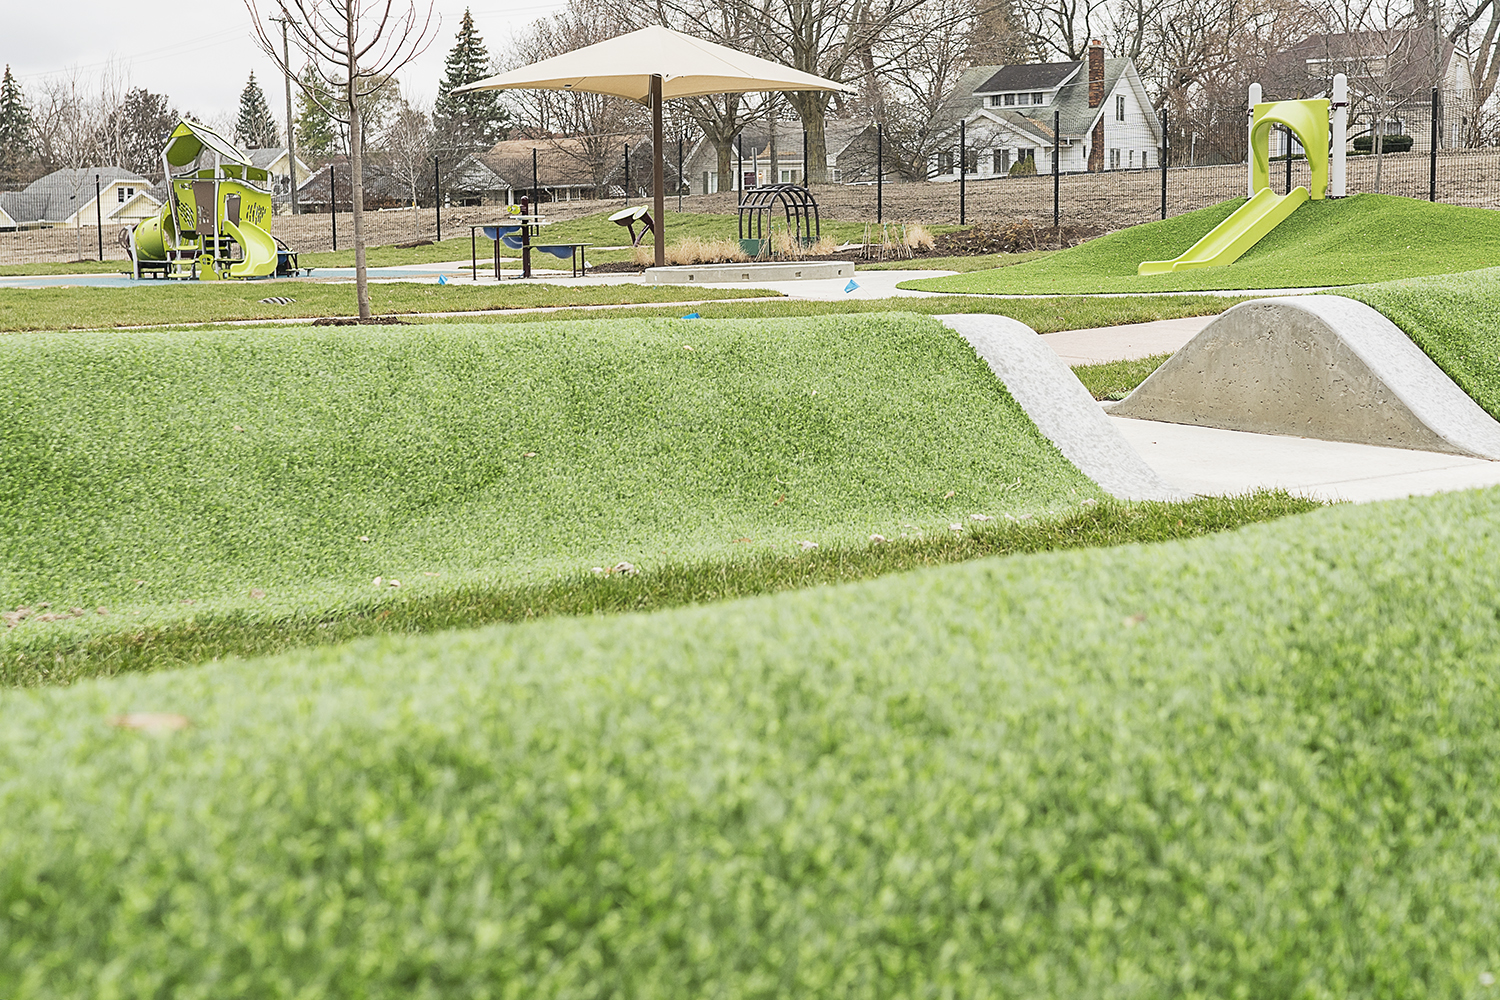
point(17, 145)
point(474, 121)
point(139, 128)
point(255, 127)
point(317, 136)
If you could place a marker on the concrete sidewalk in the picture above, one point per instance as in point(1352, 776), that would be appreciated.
point(1208, 460)
point(1124, 343)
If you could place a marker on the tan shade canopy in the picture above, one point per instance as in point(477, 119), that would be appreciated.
point(624, 65)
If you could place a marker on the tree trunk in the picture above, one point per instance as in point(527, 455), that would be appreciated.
point(356, 171)
point(725, 150)
point(1379, 149)
point(810, 108)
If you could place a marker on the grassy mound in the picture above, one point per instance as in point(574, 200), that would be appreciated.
point(1365, 238)
point(1455, 319)
point(1258, 764)
point(267, 475)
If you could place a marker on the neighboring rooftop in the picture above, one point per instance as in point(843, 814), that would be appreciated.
point(1029, 76)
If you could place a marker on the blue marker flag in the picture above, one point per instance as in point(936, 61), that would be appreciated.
point(442, 280)
point(691, 316)
point(851, 286)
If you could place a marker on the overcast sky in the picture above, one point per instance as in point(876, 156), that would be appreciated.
point(200, 54)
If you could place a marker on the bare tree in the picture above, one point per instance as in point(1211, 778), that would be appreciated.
point(408, 141)
point(915, 89)
point(596, 126)
point(354, 47)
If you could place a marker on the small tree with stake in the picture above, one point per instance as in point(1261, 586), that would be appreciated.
point(354, 47)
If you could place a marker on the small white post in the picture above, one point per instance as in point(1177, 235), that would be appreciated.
point(1249, 144)
point(1337, 185)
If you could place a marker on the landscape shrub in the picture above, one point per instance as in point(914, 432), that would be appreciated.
point(1024, 167)
point(1260, 764)
point(1390, 144)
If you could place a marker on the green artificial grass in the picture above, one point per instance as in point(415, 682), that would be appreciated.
point(165, 303)
point(1455, 319)
point(1045, 315)
point(198, 640)
point(68, 267)
point(155, 479)
point(964, 264)
point(1259, 764)
point(1114, 380)
point(1364, 238)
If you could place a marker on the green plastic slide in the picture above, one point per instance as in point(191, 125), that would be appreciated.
point(1229, 239)
point(258, 247)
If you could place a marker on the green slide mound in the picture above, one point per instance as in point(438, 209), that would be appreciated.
point(1354, 240)
point(1256, 765)
point(258, 473)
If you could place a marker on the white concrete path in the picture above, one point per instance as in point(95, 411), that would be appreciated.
point(1207, 460)
point(1122, 343)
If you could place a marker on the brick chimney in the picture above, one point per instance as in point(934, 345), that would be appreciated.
point(1096, 73)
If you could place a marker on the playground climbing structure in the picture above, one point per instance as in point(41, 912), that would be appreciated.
point(217, 218)
point(1311, 122)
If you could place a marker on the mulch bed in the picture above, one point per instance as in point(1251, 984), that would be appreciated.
point(355, 321)
point(1015, 237)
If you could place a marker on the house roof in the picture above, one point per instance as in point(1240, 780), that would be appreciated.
point(1028, 76)
point(1408, 54)
point(1071, 103)
point(60, 194)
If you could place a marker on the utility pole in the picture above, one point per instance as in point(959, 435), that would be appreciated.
point(291, 128)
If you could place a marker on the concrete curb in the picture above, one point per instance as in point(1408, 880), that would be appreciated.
point(1060, 406)
point(1320, 366)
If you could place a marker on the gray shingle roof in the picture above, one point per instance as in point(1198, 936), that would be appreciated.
point(1028, 76)
point(1075, 117)
point(61, 193)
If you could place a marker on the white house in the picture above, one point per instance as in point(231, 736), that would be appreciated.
point(1100, 105)
point(65, 198)
point(277, 161)
point(850, 147)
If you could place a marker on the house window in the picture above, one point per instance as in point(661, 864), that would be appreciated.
point(1036, 98)
point(1025, 154)
point(1132, 159)
point(994, 100)
point(1145, 155)
point(1114, 159)
point(971, 161)
point(1010, 99)
point(124, 193)
point(945, 163)
point(1002, 161)
point(1120, 108)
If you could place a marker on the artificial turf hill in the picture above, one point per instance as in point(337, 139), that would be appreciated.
point(189, 480)
point(1363, 238)
point(1256, 764)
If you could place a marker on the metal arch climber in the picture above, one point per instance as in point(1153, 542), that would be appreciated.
point(1309, 121)
point(801, 210)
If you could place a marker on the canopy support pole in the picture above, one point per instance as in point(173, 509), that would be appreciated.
point(658, 181)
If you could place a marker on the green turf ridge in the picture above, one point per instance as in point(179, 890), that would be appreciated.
point(964, 264)
point(1114, 380)
point(1455, 319)
point(1254, 764)
point(1360, 239)
point(275, 473)
point(166, 303)
point(202, 639)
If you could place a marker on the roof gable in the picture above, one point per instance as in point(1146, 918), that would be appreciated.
point(1029, 76)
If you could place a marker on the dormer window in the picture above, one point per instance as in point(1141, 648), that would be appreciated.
point(1010, 100)
point(1037, 98)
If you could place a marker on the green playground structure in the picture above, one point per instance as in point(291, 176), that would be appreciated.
point(217, 219)
point(1311, 121)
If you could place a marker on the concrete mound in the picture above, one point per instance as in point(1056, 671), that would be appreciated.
point(1315, 366)
point(1060, 406)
